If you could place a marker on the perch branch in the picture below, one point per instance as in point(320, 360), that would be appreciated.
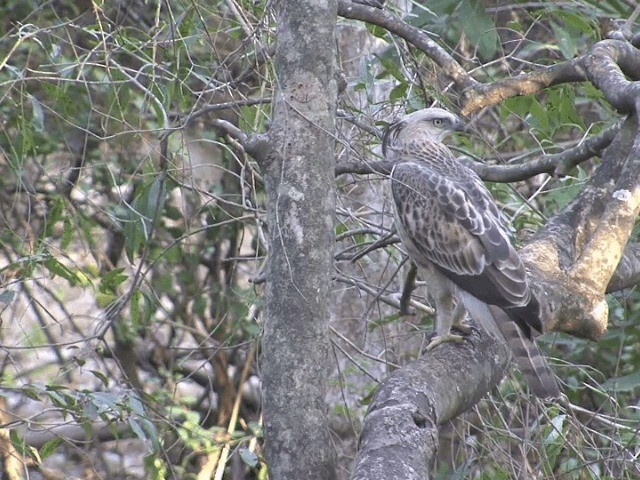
point(418, 398)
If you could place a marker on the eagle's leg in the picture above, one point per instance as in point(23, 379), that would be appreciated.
point(450, 313)
point(459, 317)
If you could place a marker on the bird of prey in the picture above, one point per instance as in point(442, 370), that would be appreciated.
point(454, 232)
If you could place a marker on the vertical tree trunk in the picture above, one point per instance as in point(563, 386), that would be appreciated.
point(300, 184)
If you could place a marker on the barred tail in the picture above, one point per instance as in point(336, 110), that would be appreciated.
point(498, 323)
point(530, 360)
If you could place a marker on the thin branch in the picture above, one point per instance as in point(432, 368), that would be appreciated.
point(225, 106)
point(558, 164)
point(391, 300)
point(413, 35)
point(383, 242)
point(361, 168)
point(367, 127)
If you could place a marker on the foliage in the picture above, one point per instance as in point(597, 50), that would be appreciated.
point(129, 223)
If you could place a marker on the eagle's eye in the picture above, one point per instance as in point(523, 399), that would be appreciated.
point(438, 122)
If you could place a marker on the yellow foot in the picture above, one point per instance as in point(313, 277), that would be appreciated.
point(449, 337)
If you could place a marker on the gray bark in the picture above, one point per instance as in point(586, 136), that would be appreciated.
point(400, 432)
point(299, 177)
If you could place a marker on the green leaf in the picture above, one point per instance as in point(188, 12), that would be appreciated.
point(137, 429)
point(136, 406)
point(90, 411)
point(67, 233)
point(566, 41)
point(518, 105)
point(539, 117)
point(624, 384)
point(54, 216)
point(31, 392)
point(112, 279)
point(152, 433)
point(440, 8)
point(142, 215)
point(577, 22)
point(7, 296)
point(377, 31)
point(101, 376)
point(61, 270)
point(105, 401)
point(38, 114)
point(135, 309)
point(249, 457)
point(554, 440)
point(50, 447)
point(399, 92)
point(18, 442)
point(479, 27)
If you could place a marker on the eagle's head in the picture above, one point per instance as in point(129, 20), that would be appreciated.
point(432, 124)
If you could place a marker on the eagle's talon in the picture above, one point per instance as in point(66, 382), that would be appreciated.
point(465, 328)
point(439, 339)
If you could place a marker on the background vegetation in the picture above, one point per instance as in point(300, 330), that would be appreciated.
point(133, 229)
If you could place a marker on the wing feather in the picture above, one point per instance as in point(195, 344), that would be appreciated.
point(446, 216)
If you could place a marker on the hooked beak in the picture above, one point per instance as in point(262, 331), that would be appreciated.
point(460, 126)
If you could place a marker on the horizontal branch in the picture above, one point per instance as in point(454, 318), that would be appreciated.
point(557, 164)
point(100, 430)
point(605, 66)
point(485, 95)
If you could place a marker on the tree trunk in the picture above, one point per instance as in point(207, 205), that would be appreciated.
point(299, 177)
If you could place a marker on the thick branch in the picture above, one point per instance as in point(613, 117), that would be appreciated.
point(627, 274)
point(574, 257)
point(607, 65)
point(555, 164)
point(480, 96)
point(400, 430)
point(604, 66)
point(413, 35)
